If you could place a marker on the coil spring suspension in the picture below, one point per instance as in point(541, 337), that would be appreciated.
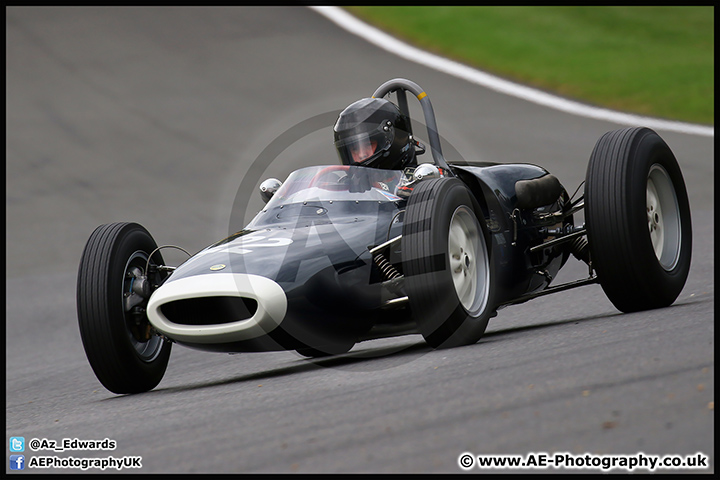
point(387, 270)
point(580, 249)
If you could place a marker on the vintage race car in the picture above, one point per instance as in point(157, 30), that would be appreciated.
point(341, 254)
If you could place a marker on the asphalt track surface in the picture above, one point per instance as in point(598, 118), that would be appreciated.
point(156, 115)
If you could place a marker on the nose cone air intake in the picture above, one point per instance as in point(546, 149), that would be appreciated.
point(217, 308)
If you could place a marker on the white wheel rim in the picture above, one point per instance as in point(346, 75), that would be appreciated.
point(469, 263)
point(663, 217)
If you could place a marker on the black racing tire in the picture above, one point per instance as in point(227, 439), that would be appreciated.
point(446, 259)
point(124, 354)
point(326, 349)
point(310, 352)
point(637, 216)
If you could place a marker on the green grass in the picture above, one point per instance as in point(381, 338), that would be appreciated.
point(655, 61)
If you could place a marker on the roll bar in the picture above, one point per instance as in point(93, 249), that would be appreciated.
point(400, 86)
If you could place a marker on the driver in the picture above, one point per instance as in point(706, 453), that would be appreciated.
point(372, 132)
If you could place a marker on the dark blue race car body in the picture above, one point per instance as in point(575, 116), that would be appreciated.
point(341, 254)
point(316, 242)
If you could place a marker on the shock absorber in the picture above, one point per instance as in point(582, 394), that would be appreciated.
point(388, 271)
point(580, 249)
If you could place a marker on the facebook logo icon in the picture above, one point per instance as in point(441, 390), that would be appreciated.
point(17, 462)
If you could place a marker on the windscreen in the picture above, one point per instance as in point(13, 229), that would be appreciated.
point(338, 183)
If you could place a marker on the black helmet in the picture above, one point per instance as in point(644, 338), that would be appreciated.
point(372, 132)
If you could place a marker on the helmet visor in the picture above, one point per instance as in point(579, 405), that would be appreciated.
point(366, 145)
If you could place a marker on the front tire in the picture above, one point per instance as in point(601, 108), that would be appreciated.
point(446, 262)
point(119, 343)
point(310, 352)
point(638, 220)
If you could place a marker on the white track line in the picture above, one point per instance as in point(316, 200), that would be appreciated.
point(408, 52)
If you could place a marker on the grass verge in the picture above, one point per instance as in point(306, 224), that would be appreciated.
point(654, 61)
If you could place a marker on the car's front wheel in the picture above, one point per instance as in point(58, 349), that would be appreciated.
point(123, 351)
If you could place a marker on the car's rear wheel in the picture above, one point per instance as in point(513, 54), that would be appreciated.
point(638, 219)
point(446, 263)
point(123, 351)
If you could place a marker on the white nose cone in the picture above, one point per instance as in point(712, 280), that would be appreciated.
point(270, 311)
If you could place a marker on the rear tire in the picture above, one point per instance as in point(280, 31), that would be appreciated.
point(124, 354)
point(638, 219)
point(446, 263)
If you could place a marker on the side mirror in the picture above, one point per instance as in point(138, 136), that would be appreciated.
point(268, 188)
